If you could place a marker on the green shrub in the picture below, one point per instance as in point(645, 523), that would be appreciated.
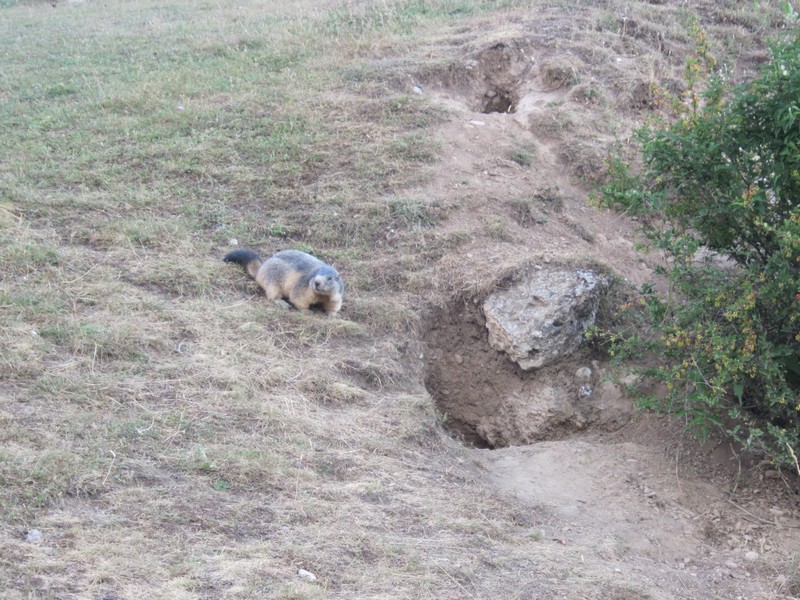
point(724, 179)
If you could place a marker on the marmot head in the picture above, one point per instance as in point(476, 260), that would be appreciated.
point(326, 281)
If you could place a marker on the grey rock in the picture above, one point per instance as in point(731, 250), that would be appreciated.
point(307, 575)
point(542, 317)
point(34, 536)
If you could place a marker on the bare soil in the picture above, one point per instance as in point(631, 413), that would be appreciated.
point(627, 492)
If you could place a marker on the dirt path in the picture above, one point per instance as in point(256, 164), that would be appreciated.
point(628, 508)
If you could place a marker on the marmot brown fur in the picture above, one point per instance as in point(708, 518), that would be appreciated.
point(300, 279)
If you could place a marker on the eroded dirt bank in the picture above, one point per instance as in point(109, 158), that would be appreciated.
point(530, 125)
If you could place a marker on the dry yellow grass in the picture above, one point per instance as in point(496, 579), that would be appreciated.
point(171, 434)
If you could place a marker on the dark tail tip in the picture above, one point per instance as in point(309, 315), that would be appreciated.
point(241, 256)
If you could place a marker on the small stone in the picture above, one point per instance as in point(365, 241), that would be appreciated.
point(752, 555)
point(584, 373)
point(417, 90)
point(233, 242)
point(585, 391)
point(307, 575)
point(458, 358)
point(34, 537)
point(731, 565)
point(771, 474)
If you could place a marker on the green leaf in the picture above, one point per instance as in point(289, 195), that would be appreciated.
point(738, 390)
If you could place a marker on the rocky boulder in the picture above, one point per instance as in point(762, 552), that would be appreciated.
point(541, 317)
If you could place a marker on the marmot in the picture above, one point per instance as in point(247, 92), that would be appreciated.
point(300, 279)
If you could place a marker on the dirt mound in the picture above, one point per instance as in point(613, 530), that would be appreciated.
point(637, 503)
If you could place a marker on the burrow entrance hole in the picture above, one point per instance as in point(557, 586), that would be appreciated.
point(489, 401)
point(498, 100)
point(489, 80)
point(496, 73)
point(475, 386)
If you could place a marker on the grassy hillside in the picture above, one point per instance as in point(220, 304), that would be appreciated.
point(169, 432)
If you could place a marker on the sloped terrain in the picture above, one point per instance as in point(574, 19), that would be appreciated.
point(167, 433)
